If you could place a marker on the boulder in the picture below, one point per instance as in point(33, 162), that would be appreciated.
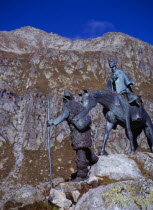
point(59, 199)
point(23, 196)
point(145, 162)
point(125, 195)
point(115, 167)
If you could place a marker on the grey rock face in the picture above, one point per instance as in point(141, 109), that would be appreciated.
point(21, 195)
point(116, 167)
point(126, 195)
point(29, 39)
point(145, 161)
point(59, 199)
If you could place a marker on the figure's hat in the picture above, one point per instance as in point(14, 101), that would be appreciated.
point(68, 95)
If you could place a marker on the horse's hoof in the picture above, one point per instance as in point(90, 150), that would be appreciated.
point(101, 153)
point(132, 152)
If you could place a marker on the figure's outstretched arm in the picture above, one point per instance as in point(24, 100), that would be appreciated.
point(80, 115)
point(63, 116)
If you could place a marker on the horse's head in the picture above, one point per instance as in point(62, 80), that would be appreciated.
point(88, 100)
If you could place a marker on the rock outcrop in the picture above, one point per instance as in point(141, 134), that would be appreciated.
point(35, 65)
point(116, 167)
point(125, 195)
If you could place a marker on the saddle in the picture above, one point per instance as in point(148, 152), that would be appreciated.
point(136, 105)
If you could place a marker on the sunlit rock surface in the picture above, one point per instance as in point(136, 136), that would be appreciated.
point(116, 167)
point(35, 65)
point(125, 195)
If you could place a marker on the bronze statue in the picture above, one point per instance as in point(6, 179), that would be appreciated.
point(80, 135)
point(121, 106)
point(118, 111)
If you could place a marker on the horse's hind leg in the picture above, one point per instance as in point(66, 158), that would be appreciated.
point(149, 134)
point(135, 133)
point(109, 127)
point(148, 129)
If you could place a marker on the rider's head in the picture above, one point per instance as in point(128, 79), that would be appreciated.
point(112, 62)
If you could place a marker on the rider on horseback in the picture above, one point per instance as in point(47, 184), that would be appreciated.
point(120, 83)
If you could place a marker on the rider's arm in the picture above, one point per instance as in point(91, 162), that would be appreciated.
point(109, 85)
point(128, 80)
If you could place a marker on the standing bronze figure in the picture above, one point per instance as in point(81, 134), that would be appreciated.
point(80, 135)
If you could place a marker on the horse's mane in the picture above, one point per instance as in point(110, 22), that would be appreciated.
point(111, 92)
point(104, 91)
point(107, 92)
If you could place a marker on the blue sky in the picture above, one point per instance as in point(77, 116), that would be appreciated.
point(82, 18)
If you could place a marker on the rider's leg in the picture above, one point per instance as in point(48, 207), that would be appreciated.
point(91, 156)
point(82, 166)
point(138, 114)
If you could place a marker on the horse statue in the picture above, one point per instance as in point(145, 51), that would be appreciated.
point(117, 111)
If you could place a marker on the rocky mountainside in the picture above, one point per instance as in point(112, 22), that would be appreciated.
point(29, 39)
point(35, 65)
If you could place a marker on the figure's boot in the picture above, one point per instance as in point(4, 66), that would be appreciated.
point(82, 175)
point(82, 172)
point(91, 157)
point(94, 159)
point(82, 166)
point(73, 175)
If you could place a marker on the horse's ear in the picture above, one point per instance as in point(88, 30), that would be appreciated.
point(82, 92)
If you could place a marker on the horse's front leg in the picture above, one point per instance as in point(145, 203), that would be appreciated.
point(109, 127)
point(130, 135)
